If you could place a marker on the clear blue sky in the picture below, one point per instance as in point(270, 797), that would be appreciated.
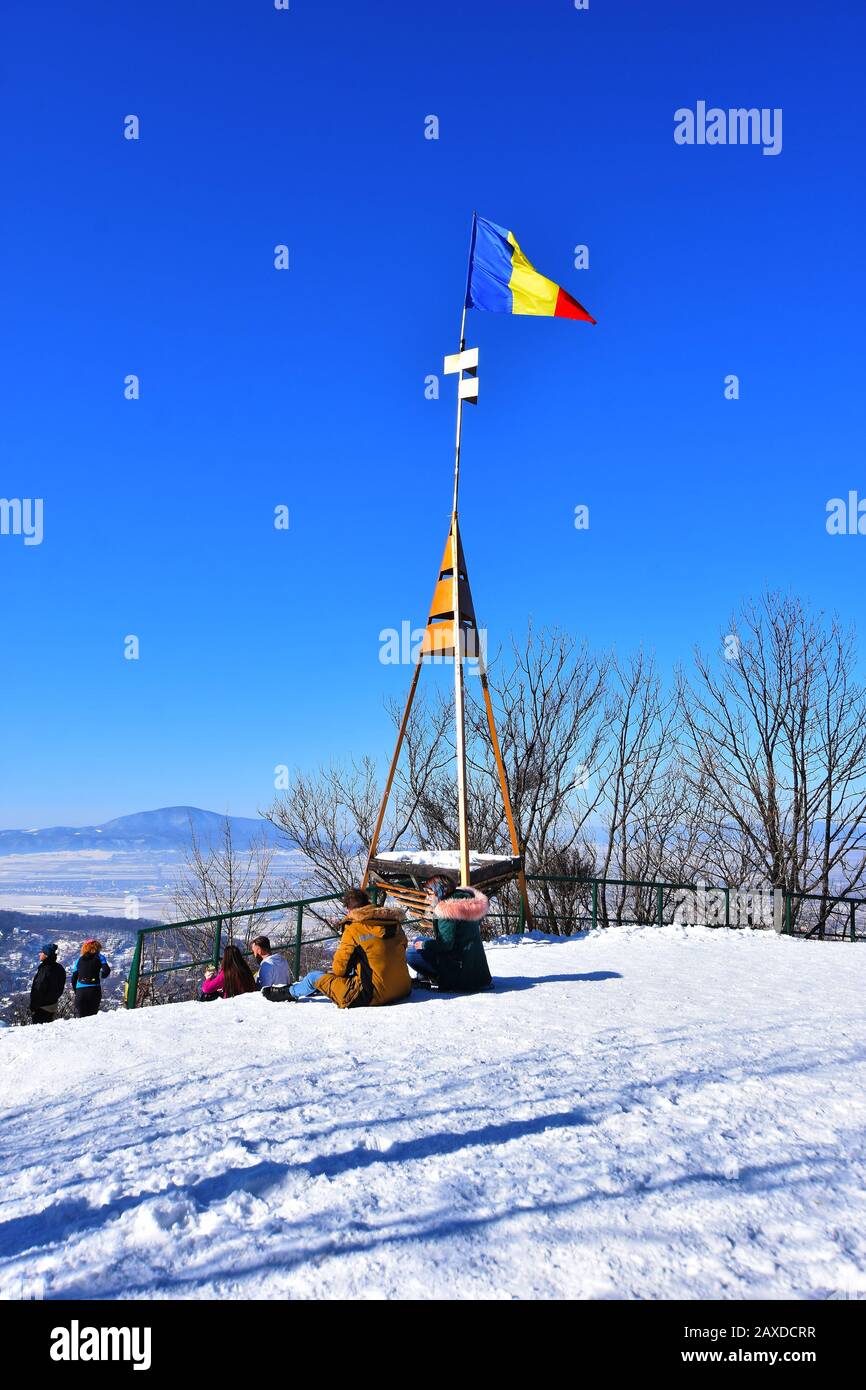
point(306, 387)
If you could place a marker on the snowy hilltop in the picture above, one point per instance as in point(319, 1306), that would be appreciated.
point(641, 1113)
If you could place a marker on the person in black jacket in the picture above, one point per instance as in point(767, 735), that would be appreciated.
point(49, 983)
point(88, 973)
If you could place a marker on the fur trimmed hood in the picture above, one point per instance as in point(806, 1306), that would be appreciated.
point(372, 913)
point(467, 905)
point(384, 921)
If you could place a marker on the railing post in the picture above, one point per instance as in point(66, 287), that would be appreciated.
point(594, 903)
point(299, 931)
point(853, 918)
point(217, 942)
point(134, 972)
point(788, 897)
point(727, 905)
point(660, 904)
point(521, 915)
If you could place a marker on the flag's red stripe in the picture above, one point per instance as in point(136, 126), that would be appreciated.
point(568, 308)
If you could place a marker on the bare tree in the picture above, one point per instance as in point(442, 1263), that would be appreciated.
point(220, 878)
point(549, 693)
point(549, 700)
point(330, 815)
point(777, 738)
point(424, 795)
point(752, 772)
point(640, 794)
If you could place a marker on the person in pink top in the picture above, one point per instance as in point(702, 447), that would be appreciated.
point(212, 984)
point(234, 978)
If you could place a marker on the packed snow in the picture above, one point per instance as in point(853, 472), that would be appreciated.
point(635, 1113)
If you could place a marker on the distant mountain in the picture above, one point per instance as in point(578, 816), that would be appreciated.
point(166, 829)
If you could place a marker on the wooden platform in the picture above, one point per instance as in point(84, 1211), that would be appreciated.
point(403, 874)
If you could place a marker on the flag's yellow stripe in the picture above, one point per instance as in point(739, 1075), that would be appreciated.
point(531, 293)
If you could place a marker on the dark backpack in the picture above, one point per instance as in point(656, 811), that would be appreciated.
point(90, 969)
point(48, 984)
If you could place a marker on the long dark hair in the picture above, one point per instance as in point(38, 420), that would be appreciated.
point(441, 886)
point(237, 976)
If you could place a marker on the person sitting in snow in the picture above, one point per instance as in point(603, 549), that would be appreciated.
point(49, 982)
point(369, 965)
point(88, 972)
point(235, 977)
point(453, 958)
point(273, 976)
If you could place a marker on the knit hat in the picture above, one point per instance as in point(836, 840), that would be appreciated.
point(49, 949)
point(440, 886)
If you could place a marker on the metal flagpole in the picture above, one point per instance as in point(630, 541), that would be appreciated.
point(463, 392)
point(460, 373)
point(463, 361)
point(459, 416)
point(459, 715)
point(459, 711)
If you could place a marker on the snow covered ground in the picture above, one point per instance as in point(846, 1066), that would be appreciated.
point(640, 1113)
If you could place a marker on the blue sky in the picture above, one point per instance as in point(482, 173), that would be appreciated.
point(306, 387)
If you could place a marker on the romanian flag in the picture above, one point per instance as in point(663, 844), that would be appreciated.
point(502, 280)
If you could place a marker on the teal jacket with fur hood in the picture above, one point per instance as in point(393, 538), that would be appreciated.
point(456, 951)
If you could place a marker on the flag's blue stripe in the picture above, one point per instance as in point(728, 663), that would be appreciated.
point(490, 270)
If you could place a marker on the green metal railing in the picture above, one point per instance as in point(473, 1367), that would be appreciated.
point(795, 927)
point(595, 890)
point(296, 943)
point(661, 889)
point(793, 916)
point(591, 913)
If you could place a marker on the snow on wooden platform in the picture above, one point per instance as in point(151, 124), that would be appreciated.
point(442, 858)
point(639, 1113)
point(421, 864)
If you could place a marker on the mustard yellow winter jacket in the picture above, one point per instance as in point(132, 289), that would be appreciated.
point(369, 965)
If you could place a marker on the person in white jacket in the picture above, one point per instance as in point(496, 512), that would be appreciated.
point(274, 976)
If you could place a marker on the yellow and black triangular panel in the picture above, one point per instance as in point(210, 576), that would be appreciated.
point(439, 634)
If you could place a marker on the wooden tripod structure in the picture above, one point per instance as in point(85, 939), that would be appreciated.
point(452, 631)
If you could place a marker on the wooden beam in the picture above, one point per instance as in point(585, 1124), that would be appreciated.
point(374, 844)
point(506, 799)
